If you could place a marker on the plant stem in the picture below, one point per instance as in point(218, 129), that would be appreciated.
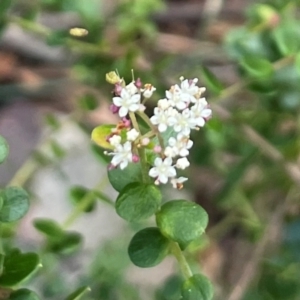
point(141, 150)
point(147, 120)
point(86, 201)
point(184, 266)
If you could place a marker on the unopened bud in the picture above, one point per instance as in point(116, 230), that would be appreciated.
point(145, 141)
point(138, 83)
point(126, 123)
point(157, 149)
point(114, 109)
point(135, 158)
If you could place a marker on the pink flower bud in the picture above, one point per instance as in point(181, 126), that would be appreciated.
point(157, 149)
point(118, 89)
point(110, 167)
point(135, 158)
point(114, 109)
point(138, 83)
point(126, 123)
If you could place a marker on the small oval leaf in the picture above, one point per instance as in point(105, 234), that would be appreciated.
point(23, 294)
point(197, 287)
point(4, 149)
point(15, 204)
point(48, 227)
point(17, 266)
point(138, 201)
point(100, 134)
point(120, 178)
point(257, 67)
point(148, 247)
point(182, 221)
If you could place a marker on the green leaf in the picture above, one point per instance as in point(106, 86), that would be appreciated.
point(67, 244)
point(286, 37)
point(18, 266)
point(88, 102)
point(100, 134)
point(78, 293)
point(23, 294)
point(15, 204)
point(48, 227)
point(148, 248)
point(120, 178)
point(138, 201)
point(257, 67)
point(182, 221)
point(211, 81)
point(4, 149)
point(77, 194)
point(197, 287)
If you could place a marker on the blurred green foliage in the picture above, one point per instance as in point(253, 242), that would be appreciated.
point(252, 148)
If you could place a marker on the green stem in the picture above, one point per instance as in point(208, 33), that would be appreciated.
point(184, 266)
point(86, 201)
point(153, 128)
point(141, 150)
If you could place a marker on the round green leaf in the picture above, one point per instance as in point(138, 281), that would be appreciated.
point(197, 287)
point(48, 227)
point(257, 67)
point(78, 293)
point(120, 178)
point(286, 37)
point(182, 221)
point(17, 266)
point(77, 193)
point(138, 201)
point(23, 294)
point(15, 204)
point(66, 244)
point(148, 248)
point(99, 135)
point(4, 149)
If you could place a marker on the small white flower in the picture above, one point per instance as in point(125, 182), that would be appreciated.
point(163, 118)
point(131, 88)
point(115, 140)
point(200, 112)
point(122, 155)
point(178, 146)
point(132, 135)
point(175, 98)
point(182, 163)
point(163, 104)
point(148, 90)
point(127, 102)
point(162, 170)
point(189, 89)
point(177, 183)
point(183, 122)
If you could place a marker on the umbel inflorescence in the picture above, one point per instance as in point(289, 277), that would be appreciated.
point(162, 142)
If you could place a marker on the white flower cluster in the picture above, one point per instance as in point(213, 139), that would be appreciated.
point(183, 109)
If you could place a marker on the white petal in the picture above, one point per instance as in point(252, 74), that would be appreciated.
point(163, 178)
point(162, 127)
point(153, 172)
point(123, 111)
point(117, 101)
point(171, 172)
point(134, 107)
